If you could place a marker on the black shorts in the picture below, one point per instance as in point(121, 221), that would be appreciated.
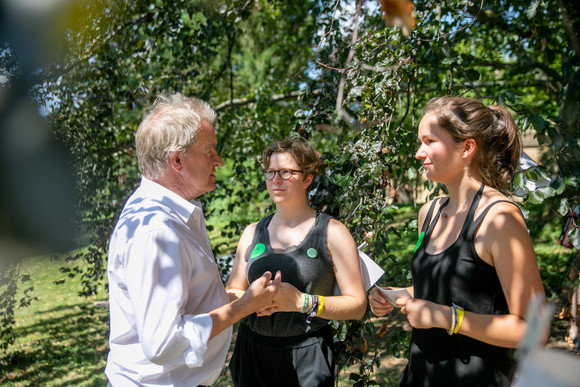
point(305, 360)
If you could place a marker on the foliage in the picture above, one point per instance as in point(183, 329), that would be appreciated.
point(11, 279)
point(331, 71)
point(505, 53)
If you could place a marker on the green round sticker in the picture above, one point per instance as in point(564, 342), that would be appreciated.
point(312, 253)
point(258, 250)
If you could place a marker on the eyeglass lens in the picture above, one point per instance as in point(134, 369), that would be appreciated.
point(284, 174)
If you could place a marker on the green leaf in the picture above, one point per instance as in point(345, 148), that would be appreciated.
point(353, 376)
point(518, 181)
point(563, 207)
point(186, 18)
point(546, 192)
point(532, 10)
point(200, 19)
point(575, 238)
point(500, 100)
point(525, 211)
point(559, 185)
point(535, 197)
point(538, 122)
point(449, 61)
point(473, 75)
point(510, 96)
point(467, 59)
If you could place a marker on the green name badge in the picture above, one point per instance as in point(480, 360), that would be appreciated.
point(258, 250)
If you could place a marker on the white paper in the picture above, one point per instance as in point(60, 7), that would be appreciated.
point(393, 294)
point(371, 272)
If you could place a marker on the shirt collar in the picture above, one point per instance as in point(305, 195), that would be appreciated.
point(184, 208)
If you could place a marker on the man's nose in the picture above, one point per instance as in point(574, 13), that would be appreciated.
point(218, 160)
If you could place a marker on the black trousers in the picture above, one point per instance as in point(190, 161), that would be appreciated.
point(297, 361)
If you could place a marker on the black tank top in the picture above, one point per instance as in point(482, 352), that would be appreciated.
point(308, 267)
point(456, 275)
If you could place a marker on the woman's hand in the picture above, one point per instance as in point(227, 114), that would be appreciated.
point(423, 314)
point(288, 299)
point(379, 305)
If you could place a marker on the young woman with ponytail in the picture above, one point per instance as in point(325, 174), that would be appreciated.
point(474, 268)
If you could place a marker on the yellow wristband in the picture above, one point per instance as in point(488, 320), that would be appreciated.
point(460, 314)
point(320, 306)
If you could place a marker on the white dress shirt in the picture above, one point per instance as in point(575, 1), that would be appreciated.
point(163, 280)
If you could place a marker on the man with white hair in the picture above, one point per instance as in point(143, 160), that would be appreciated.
point(170, 316)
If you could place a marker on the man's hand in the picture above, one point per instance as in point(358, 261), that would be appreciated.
point(260, 294)
point(257, 296)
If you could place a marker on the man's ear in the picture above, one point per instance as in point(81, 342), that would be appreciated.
point(469, 147)
point(175, 161)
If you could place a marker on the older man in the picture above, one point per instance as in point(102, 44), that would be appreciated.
point(170, 314)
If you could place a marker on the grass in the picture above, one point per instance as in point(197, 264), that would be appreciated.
point(62, 337)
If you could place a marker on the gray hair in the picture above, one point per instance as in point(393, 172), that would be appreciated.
point(170, 126)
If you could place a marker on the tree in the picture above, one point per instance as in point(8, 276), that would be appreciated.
point(520, 55)
point(331, 71)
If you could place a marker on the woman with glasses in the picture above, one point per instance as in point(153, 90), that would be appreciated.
point(290, 342)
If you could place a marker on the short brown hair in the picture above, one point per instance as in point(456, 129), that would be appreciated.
point(298, 147)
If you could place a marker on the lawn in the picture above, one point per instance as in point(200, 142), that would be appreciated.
point(62, 337)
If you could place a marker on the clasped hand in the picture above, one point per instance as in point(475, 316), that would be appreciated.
point(286, 300)
point(261, 293)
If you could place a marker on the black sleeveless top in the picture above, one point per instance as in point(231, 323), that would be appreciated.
point(456, 275)
point(308, 267)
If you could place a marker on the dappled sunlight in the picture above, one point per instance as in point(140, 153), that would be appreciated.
point(65, 345)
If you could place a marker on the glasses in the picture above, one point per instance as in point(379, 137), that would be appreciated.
point(284, 174)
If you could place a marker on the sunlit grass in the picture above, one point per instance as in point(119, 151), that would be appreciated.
point(61, 337)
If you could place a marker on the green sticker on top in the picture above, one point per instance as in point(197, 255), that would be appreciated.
point(421, 236)
point(312, 253)
point(258, 250)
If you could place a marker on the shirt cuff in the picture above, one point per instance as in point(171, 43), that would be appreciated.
point(197, 329)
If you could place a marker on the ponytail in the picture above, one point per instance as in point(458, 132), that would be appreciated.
point(500, 154)
point(493, 129)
